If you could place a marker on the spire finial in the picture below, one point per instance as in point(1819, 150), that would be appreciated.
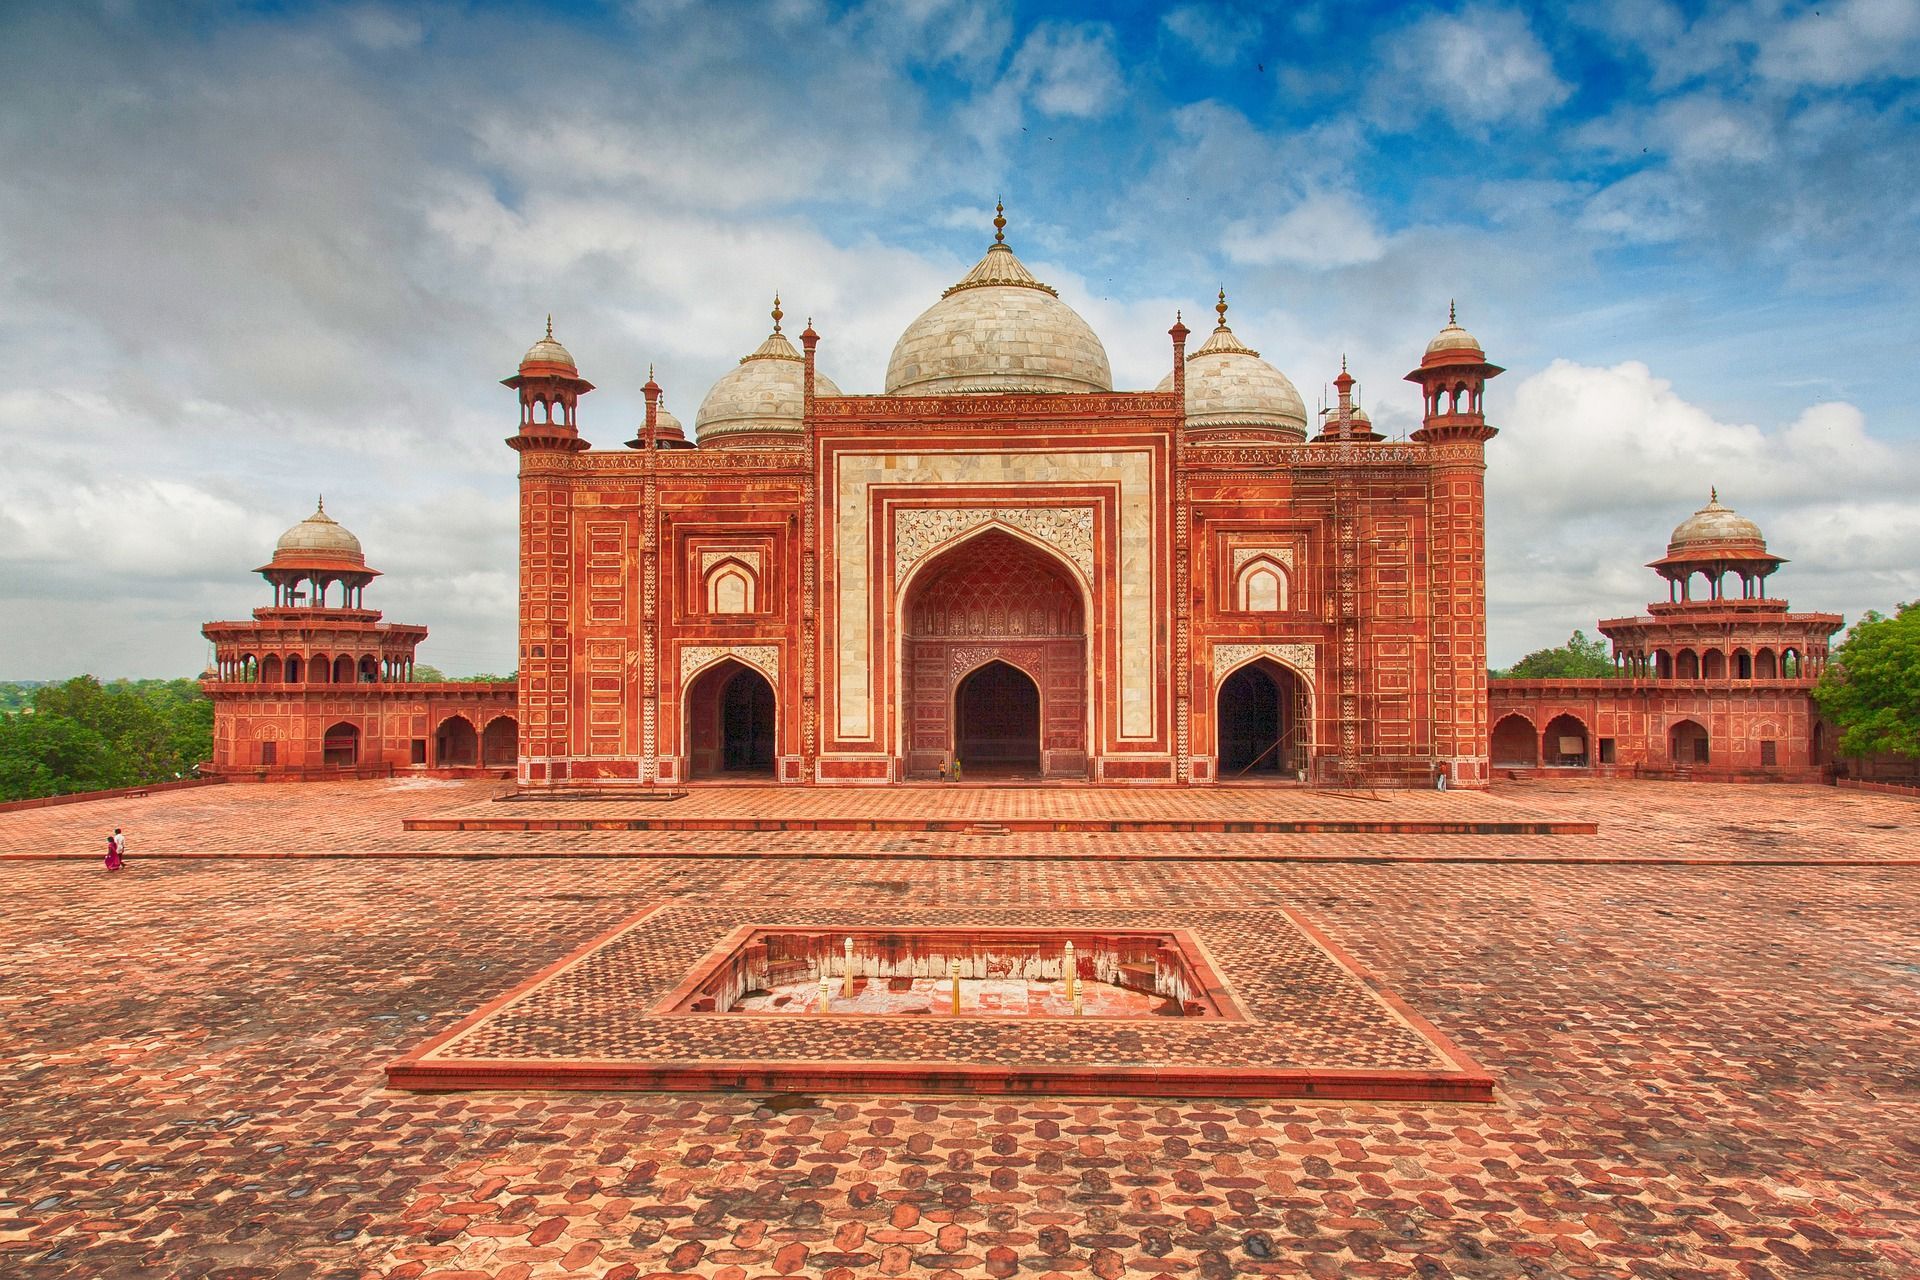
point(1177, 318)
point(1220, 307)
point(1343, 362)
point(1450, 312)
point(999, 221)
point(649, 371)
point(549, 326)
point(1713, 494)
point(320, 507)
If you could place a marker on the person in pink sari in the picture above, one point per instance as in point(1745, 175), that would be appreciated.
point(116, 850)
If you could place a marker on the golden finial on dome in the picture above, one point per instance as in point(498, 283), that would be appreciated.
point(777, 313)
point(1450, 315)
point(1220, 307)
point(1713, 494)
point(999, 221)
point(649, 371)
point(549, 326)
point(1343, 362)
point(320, 507)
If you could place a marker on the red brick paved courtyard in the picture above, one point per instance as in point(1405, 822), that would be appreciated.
point(1705, 1066)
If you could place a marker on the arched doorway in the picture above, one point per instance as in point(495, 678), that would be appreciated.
point(1515, 744)
point(341, 745)
point(730, 722)
point(996, 722)
point(500, 744)
point(1566, 745)
point(455, 744)
point(993, 598)
point(1687, 742)
point(1260, 725)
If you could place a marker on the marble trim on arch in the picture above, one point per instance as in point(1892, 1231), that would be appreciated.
point(764, 658)
point(918, 530)
point(1300, 657)
point(1283, 556)
point(1130, 471)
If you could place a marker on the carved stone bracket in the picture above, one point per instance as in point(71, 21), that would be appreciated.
point(918, 530)
point(1300, 657)
point(764, 658)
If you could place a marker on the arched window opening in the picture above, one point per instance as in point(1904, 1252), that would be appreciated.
point(319, 669)
point(271, 669)
point(1566, 742)
point(1262, 587)
point(343, 669)
point(1686, 665)
point(1687, 743)
point(455, 744)
point(1713, 665)
point(1742, 665)
point(1516, 744)
point(1790, 664)
point(730, 589)
point(340, 747)
point(294, 669)
point(500, 744)
point(369, 670)
point(1765, 665)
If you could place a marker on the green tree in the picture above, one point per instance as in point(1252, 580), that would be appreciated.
point(1871, 687)
point(82, 735)
point(1578, 659)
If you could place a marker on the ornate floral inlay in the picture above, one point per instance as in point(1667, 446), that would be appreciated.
point(764, 658)
point(1298, 656)
point(1283, 556)
point(918, 530)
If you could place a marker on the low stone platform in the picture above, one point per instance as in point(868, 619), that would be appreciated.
point(607, 1017)
point(972, 809)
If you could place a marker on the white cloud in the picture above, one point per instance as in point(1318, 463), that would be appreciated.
point(1480, 67)
point(1329, 229)
point(1068, 69)
point(1595, 466)
point(1213, 33)
point(1844, 43)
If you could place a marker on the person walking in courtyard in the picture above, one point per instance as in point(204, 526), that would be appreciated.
point(116, 850)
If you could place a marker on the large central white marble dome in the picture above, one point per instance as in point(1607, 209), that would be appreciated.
point(997, 331)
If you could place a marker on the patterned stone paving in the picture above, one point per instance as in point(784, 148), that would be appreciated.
point(1651, 821)
point(1704, 1071)
point(1314, 1025)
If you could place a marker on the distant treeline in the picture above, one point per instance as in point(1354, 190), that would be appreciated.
point(82, 735)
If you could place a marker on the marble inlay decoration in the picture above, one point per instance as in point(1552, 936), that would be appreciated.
point(1300, 657)
point(764, 658)
point(918, 530)
point(708, 559)
point(1282, 556)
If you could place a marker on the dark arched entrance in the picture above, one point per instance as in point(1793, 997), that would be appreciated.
point(500, 744)
point(340, 745)
point(994, 599)
point(1260, 723)
point(1687, 741)
point(996, 722)
point(455, 744)
point(1516, 744)
point(730, 723)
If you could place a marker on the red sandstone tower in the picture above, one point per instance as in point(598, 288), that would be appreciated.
point(1452, 376)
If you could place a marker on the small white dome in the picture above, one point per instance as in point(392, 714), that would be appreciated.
point(997, 331)
point(549, 351)
point(320, 533)
point(1716, 526)
point(1454, 338)
point(765, 393)
point(1229, 385)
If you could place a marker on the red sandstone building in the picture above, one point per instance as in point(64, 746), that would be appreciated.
point(1713, 682)
point(1000, 560)
point(316, 685)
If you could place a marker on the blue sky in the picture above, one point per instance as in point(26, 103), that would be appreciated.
point(248, 254)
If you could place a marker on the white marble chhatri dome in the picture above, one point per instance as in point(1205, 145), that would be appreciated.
point(1715, 526)
point(319, 534)
point(1229, 385)
point(761, 400)
point(997, 331)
